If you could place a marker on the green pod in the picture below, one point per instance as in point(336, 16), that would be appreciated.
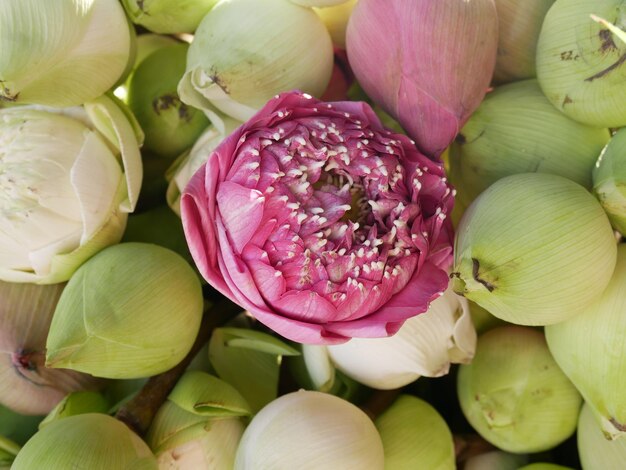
point(131, 311)
point(91, 441)
point(517, 130)
point(277, 46)
point(415, 436)
point(167, 17)
point(170, 126)
point(515, 395)
point(590, 349)
point(580, 63)
point(519, 24)
point(534, 249)
point(595, 450)
point(609, 180)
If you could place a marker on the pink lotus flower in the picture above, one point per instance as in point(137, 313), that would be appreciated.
point(321, 223)
point(428, 63)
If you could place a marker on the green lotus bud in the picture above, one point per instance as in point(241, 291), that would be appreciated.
point(579, 61)
point(415, 437)
point(544, 466)
point(310, 430)
point(187, 164)
point(609, 180)
point(517, 130)
point(524, 234)
point(90, 441)
point(250, 361)
point(123, 290)
point(167, 17)
point(198, 424)
point(69, 179)
point(170, 125)
point(595, 450)
point(26, 386)
point(149, 43)
point(277, 46)
point(590, 349)
point(426, 345)
point(75, 404)
point(336, 17)
point(519, 26)
point(514, 394)
point(61, 52)
point(495, 460)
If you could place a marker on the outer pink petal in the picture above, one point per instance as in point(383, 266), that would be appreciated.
point(200, 232)
point(241, 211)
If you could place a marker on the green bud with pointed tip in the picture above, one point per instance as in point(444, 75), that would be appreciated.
point(609, 180)
point(415, 436)
point(595, 450)
point(517, 130)
point(126, 289)
point(534, 249)
point(590, 349)
point(580, 62)
point(515, 395)
point(90, 441)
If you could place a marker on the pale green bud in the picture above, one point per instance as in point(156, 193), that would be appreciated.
point(415, 437)
point(126, 289)
point(90, 441)
point(514, 394)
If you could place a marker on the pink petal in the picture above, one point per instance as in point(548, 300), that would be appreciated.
point(200, 232)
point(305, 306)
point(414, 299)
point(241, 210)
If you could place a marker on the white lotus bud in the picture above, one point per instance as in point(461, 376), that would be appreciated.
point(426, 345)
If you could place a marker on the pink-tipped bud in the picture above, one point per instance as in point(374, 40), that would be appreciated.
point(428, 63)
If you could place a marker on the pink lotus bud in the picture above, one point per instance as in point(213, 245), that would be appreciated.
point(320, 222)
point(428, 63)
